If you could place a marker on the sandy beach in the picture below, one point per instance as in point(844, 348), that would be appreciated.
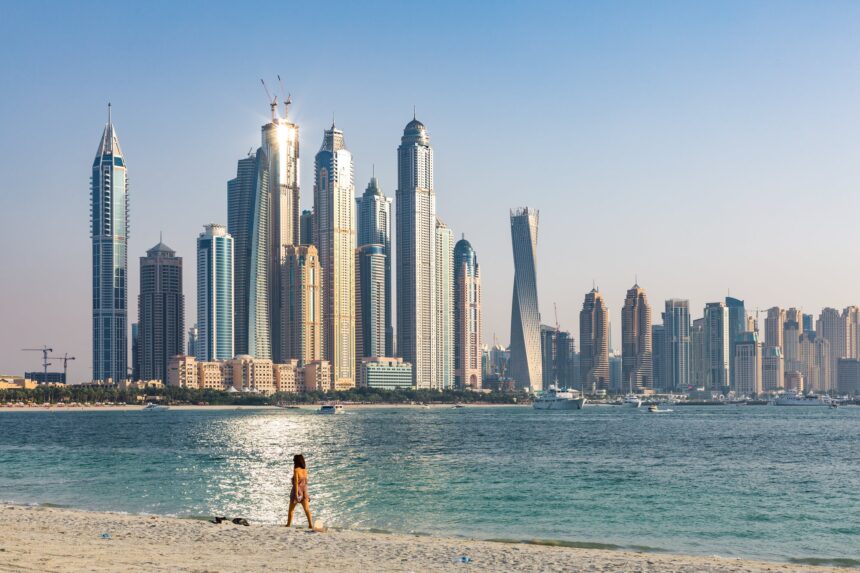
point(54, 540)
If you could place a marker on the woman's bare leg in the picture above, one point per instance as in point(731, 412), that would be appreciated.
point(290, 513)
point(307, 508)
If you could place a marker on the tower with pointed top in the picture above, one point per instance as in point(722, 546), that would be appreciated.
point(525, 365)
point(467, 317)
point(109, 234)
point(334, 237)
point(415, 265)
point(594, 342)
point(374, 228)
point(160, 312)
point(636, 341)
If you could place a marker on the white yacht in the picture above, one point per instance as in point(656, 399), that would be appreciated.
point(331, 409)
point(150, 407)
point(555, 399)
point(799, 399)
point(632, 401)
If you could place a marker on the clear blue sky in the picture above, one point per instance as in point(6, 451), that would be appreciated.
point(705, 146)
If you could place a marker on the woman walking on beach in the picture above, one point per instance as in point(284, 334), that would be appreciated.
point(299, 491)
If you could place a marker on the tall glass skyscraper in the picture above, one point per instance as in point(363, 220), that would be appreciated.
point(371, 302)
point(248, 224)
point(525, 363)
point(374, 228)
point(263, 218)
point(334, 236)
point(467, 317)
point(715, 345)
point(677, 357)
point(109, 234)
point(215, 294)
point(636, 344)
point(416, 254)
point(737, 325)
point(160, 312)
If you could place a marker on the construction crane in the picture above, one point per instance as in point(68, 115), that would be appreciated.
point(555, 310)
point(273, 101)
point(44, 350)
point(65, 358)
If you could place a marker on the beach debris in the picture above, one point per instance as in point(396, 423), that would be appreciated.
point(105, 536)
point(241, 521)
point(218, 520)
point(464, 559)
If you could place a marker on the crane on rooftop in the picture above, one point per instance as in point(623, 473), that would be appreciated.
point(65, 358)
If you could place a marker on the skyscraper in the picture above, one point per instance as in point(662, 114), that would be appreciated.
point(371, 302)
point(747, 364)
point(191, 349)
point(281, 149)
point(676, 328)
point(636, 344)
point(467, 317)
point(831, 327)
point(416, 254)
point(215, 294)
point(716, 346)
point(306, 227)
point(791, 345)
point(698, 374)
point(815, 362)
point(658, 355)
point(774, 325)
point(374, 228)
point(248, 224)
point(444, 306)
point(594, 342)
point(334, 237)
point(263, 218)
point(525, 364)
point(737, 325)
point(160, 311)
point(302, 319)
point(772, 369)
point(109, 234)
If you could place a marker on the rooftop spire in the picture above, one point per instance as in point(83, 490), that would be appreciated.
point(109, 118)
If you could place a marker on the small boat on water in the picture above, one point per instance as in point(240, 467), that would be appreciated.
point(555, 399)
point(151, 407)
point(331, 409)
point(655, 409)
point(632, 401)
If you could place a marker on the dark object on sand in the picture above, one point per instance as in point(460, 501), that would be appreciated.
point(241, 521)
point(235, 520)
point(218, 520)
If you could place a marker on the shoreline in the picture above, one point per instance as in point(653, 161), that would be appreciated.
point(215, 407)
point(59, 539)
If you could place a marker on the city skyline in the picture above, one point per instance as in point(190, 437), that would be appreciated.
point(780, 146)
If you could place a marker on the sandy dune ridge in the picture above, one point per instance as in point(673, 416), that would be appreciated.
point(50, 539)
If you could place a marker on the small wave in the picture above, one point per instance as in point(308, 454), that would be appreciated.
point(583, 545)
point(826, 561)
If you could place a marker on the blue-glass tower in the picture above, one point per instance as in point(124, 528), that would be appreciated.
point(109, 233)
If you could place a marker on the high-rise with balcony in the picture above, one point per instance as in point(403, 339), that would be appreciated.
point(334, 237)
point(525, 363)
point(374, 228)
point(774, 327)
point(677, 357)
point(109, 234)
point(467, 317)
point(415, 204)
point(302, 309)
point(444, 290)
point(636, 344)
point(370, 303)
point(215, 294)
point(715, 345)
point(747, 364)
point(594, 342)
point(160, 312)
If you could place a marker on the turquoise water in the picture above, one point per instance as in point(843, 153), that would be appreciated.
point(765, 482)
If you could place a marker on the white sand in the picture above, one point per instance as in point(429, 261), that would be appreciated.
point(47, 539)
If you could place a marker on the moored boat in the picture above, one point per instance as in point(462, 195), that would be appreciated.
point(555, 399)
point(331, 409)
point(151, 407)
point(799, 399)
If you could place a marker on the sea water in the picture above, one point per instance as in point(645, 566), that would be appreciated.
point(764, 482)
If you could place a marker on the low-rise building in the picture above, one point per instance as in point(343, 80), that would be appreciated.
point(385, 373)
point(182, 372)
point(316, 376)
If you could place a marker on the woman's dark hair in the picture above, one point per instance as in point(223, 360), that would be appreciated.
point(299, 461)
